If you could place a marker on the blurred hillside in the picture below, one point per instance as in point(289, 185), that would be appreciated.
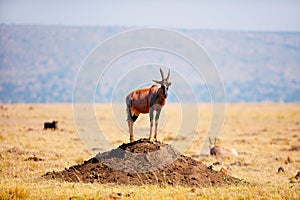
point(39, 63)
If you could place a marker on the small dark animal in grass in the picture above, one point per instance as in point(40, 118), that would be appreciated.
point(147, 100)
point(50, 125)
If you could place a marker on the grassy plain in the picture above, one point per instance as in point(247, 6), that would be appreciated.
point(263, 134)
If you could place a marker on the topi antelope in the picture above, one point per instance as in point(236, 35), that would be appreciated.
point(217, 150)
point(147, 100)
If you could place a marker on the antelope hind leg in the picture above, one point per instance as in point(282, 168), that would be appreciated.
point(130, 126)
point(131, 118)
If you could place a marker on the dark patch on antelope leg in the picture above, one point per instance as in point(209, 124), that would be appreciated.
point(128, 103)
point(129, 114)
point(134, 118)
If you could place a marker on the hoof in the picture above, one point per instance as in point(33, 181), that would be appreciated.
point(131, 139)
point(152, 140)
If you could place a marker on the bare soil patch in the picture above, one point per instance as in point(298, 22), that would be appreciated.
point(142, 162)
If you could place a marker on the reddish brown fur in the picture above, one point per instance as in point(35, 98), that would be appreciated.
point(141, 99)
point(218, 150)
point(223, 151)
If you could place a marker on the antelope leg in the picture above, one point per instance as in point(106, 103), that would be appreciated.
point(130, 126)
point(156, 124)
point(151, 122)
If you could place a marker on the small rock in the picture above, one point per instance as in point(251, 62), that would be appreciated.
point(223, 170)
point(280, 169)
point(120, 194)
point(297, 177)
point(295, 148)
point(114, 197)
point(288, 160)
point(34, 158)
point(28, 169)
point(217, 163)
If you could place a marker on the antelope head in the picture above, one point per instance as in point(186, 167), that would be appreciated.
point(212, 146)
point(164, 83)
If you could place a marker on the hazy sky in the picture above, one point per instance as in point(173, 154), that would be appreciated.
point(261, 15)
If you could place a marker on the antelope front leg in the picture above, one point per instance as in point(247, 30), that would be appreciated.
point(151, 123)
point(156, 124)
point(130, 126)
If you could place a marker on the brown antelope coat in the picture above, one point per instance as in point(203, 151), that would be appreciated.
point(147, 100)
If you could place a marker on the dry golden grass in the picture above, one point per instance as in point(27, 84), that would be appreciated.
point(262, 134)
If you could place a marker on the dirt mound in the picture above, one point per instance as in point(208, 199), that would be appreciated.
point(142, 162)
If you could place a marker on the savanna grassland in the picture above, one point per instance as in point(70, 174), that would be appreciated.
point(266, 136)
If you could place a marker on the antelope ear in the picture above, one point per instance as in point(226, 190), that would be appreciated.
point(155, 81)
point(169, 83)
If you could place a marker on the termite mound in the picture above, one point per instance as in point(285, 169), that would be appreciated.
point(115, 166)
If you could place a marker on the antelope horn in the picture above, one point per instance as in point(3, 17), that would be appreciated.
point(162, 74)
point(155, 81)
point(168, 75)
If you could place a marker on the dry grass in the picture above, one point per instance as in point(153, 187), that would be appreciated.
point(262, 134)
